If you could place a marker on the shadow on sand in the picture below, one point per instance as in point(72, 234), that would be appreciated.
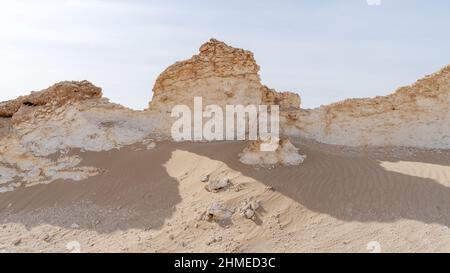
point(137, 191)
point(349, 188)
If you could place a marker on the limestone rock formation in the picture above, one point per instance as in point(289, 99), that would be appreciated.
point(56, 95)
point(286, 100)
point(38, 130)
point(218, 74)
point(415, 116)
point(285, 154)
point(221, 75)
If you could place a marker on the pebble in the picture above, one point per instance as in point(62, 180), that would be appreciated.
point(204, 178)
point(216, 185)
point(218, 212)
point(214, 240)
point(151, 146)
point(254, 205)
point(249, 213)
point(46, 238)
point(17, 242)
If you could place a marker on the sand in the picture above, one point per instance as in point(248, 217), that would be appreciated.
point(338, 200)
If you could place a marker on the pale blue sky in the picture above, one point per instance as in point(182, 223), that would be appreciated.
point(324, 50)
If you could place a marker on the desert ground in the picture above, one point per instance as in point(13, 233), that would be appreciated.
point(79, 173)
point(339, 200)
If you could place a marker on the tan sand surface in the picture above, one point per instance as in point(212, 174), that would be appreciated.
point(338, 200)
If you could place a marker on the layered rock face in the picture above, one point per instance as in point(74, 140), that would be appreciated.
point(29, 127)
point(37, 132)
point(221, 75)
point(415, 116)
point(218, 74)
point(56, 95)
point(286, 100)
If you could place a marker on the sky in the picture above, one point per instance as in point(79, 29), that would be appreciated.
point(324, 50)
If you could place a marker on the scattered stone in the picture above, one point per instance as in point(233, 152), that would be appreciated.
point(200, 216)
point(46, 238)
point(214, 240)
point(249, 207)
point(254, 205)
point(17, 242)
point(147, 141)
point(218, 184)
point(171, 237)
point(218, 212)
point(204, 178)
point(249, 214)
point(151, 146)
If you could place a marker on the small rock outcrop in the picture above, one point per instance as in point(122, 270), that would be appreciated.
point(285, 154)
point(56, 95)
point(219, 212)
point(286, 100)
point(215, 185)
